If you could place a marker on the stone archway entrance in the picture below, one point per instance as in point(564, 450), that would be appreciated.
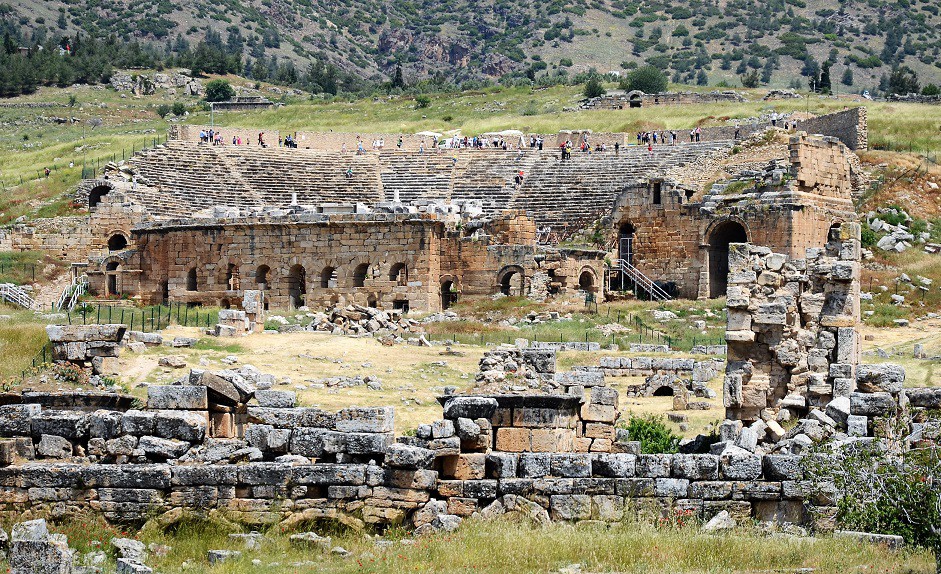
point(512, 281)
point(111, 273)
point(719, 239)
point(448, 294)
point(297, 286)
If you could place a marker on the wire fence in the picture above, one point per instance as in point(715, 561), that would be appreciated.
point(91, 167)
point(19, 270)
point(146, 319)
point(929, 155)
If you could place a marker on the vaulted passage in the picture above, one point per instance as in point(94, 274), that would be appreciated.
point(719, 240)
point(297, 286)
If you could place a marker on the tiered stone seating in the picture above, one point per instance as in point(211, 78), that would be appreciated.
point(417, 177)
point(190, 175)
point(183, 177)
point(315, 176)
point(574, 193)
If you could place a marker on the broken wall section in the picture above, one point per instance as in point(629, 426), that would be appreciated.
point(792, 328)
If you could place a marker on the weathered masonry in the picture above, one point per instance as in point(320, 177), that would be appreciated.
point(391, 261)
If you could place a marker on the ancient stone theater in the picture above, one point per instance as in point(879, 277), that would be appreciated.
point(334, 220)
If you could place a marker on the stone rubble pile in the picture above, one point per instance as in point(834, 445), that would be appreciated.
point(352, 320)
point(509, 368)
point(92, 347)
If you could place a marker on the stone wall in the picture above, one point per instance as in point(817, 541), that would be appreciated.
point(792, 328)
point(849, 126)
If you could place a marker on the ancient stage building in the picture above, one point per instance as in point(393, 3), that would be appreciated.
point(314, 225)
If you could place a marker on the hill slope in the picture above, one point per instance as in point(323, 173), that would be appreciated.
point(461, 39)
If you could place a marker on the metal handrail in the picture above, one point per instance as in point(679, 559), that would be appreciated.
point(655, 291)
point(14, 294)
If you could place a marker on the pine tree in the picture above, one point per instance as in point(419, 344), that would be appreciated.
point(826, 86)
point(397, 80)
point(847, 77)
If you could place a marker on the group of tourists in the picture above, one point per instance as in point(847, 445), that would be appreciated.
point(210, 137)
point(288, 141)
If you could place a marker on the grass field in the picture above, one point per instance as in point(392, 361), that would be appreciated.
point(503, 546)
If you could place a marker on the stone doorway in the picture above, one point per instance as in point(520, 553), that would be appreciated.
point(297, 286)
point(719, 239)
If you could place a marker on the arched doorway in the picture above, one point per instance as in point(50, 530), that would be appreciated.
point(232, 280)
point(96, 195)
point(719, 239)
point(448, 294)
point(111, 273)
point(586, 281)
point(328, 278)
point(398, 273)
point(664, 391)
point(263, 277)
point(297, 286)
point(360, 274)
point(512, 281)
point(117, 242)
point(191, 284)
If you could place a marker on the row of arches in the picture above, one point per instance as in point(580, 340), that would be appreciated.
point(297, 278)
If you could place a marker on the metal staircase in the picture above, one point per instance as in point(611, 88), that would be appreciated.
point(72, 293)
point(640, 280)
point(16, 295)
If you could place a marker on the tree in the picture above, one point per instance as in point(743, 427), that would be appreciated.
point(178, 109)
point(903, 81)
point(397, 80)
point(219, 91)
point(163, 110)
point(931, 90)
point(826, 85)
point(847, 77)
point(702, 79)
point(647, 79)
point(422, 101)
point(593, 88)
point(751, 79)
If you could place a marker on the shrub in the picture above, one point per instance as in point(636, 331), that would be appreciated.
point(163, 110)
point(593, 88)
point(647, 79)
point(219, 91)
point(652, 432)
point(178, 108)
point(868, 237)
point(422, 101)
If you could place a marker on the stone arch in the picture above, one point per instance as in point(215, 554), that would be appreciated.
point(587, 280)
point(360, 274)
point(117, 241)
point(664, 391)
point(635, 98)
point(97, 192)
point(512, 280)
point(398, 273)
point(718, 238)
point(297, 285)
point(225, 304)
point(328, 277)
point(448, 292)
point(192, 280)
point(263, 277)
point(233, 281)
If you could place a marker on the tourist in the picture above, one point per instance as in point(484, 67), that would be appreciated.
point(774, 119)
point(399, 145)
point(234, 140)
point(737, 132)
point(617, 148)
point(421, 147)
point(698, 132)
point(261, 139)
point(279, 141)
point(349, 172)
point(650, 148)
point(47, 172)
point(539, 143)
point(692, 135)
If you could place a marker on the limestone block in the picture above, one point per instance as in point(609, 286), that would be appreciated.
point(442, 429)
point(292, 418)
point(613, 465)
point(183, 425)
point(695, 466)
point(501, 465)
point(553, 440)
point(872, 404)
point(471, 466)
point(54, 446)
point(599, 413)
point(782, 467)
point(467, 429)
point(570, 507)
point(366, 419)
point(15, 419)
point(884, 377)
point(607, 508)
point(177, 397)
point(510, 439)
point(138, 423)
point(534, 465)
point(68, 424)
point(403, 456)
point(739, 464)
point(33, 550)
point(276, 399)
point(857, 425)
point(654, 465)
point(570, 465)
point(671, 487)
point(604, 396)
point(470, 407)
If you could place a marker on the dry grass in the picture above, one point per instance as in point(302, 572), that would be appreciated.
point(502, 546)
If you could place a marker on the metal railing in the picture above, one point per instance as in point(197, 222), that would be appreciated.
point(646, 283)
point(72, 293)
point(14, 294)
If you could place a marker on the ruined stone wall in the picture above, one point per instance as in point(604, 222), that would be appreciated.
point(849, 126)
point(792, 328)
point(170, 251)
